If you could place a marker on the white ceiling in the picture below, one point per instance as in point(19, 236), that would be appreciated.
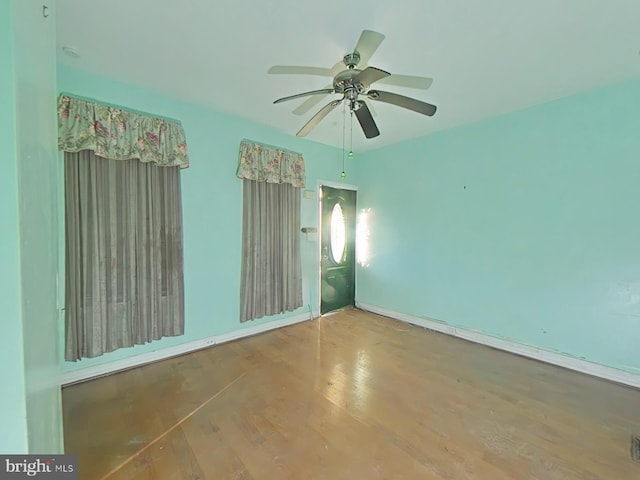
point(486, 57)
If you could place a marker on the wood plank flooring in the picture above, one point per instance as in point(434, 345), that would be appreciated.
point(351, 395)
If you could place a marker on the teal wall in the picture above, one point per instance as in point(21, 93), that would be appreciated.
point(13, 410)
point(30, 407)
point(38, 179)
point(212, 207)
point(524, 227)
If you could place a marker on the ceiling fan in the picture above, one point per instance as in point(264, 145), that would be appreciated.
point(354, 86)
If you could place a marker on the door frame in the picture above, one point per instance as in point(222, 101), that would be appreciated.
point(343, 186)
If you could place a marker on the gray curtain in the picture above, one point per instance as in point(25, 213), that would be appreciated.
point(124, 267)
point(271, 273)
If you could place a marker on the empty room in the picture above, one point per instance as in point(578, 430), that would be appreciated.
point(302, 240)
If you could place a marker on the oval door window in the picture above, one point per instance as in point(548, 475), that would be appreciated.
point(338, 233)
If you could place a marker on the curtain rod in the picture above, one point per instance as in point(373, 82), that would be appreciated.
point(270, 146)
point(112, 105)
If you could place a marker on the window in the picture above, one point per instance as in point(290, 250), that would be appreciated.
point(271, 280)
point(124, 267)
point(271, 277)
point(338, 234)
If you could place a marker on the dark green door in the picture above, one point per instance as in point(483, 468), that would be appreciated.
point(338, 261)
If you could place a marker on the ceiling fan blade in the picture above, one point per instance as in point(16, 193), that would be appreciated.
point(295, 70)
point(309, 103)
point(368, 43)
point(305, 94)
point(370, 75)
point(402, 101)
point(324, 111)
point(409, 81)
point(367, 123)
point(370, 107)
point(337, 68)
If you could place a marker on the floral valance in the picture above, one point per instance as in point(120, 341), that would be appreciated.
point(264, 163)
point(119, 134)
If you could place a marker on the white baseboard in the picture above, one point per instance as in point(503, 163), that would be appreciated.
point(75, 376)
point(566, 361)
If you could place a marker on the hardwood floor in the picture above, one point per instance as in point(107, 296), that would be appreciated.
point(351, 395)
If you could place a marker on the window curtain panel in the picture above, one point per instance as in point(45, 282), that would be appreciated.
point(119, 134)
point(271, 273)
point(124, 263)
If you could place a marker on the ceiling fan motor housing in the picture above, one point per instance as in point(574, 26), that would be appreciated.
point(344, 82)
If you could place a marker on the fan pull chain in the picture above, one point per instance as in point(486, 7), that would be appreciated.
point(344, 121)
point(351, 141)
